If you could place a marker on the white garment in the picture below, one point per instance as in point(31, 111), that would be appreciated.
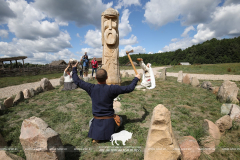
point(67, 78)
point(148, 79)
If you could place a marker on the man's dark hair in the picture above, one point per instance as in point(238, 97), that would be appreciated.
point(101, 75)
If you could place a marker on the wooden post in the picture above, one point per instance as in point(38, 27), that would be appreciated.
point(11, 64)
point(16, 64)
point(23, 63)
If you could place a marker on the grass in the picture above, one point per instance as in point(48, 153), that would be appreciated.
point(224, 68)
point(10, 81)
point(68, 113)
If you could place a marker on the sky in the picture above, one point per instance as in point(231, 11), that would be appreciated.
point(48, 30)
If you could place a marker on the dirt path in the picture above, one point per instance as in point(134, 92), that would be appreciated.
point(12, 90)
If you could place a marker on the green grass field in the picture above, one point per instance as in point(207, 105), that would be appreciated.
point(68, 113)
point(224, 68)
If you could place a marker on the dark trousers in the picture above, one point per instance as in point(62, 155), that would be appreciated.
point(94, 69)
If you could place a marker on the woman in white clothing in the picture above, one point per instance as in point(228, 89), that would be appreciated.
point(68, 81)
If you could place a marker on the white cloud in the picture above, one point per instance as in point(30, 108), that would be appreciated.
point(78, 35)
point(189, 12)
point(160, 51)
point(5, 12)
point(28, 24)
point(185, 33)
point(82, 12)
point(93, 38)
point(92, 52)
point(136, 50)
point(225, 21)
point(124, 26)
point(127, 3)
point(132, 40)
point(174, 39)
point(150, 53)
point(183, 43)
point(3, 33)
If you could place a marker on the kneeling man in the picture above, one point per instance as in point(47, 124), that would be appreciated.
point(103, 125)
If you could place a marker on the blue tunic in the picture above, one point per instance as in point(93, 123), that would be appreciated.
point(102, 96)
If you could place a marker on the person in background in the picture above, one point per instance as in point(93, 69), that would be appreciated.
point(85, 65)
point(94, 64)
point(68, 81)
point(81, 64)
point(105, 122)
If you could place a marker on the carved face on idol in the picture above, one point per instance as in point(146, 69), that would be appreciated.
point(110, 29)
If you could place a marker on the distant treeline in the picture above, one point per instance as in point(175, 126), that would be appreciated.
point(209, 52)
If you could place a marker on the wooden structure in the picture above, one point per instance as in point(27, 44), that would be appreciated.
point(57, 63)
point(2, 60)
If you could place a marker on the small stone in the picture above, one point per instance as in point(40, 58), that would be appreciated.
point(26, 93)
point(194, 82)
point(163, 74)
point(186, 79)
point(46, 84)
point(206, 85)
point(38, 90)
point(117, 106)
point(180, 77)
point(224, 123)
point(32, 92)
point(19, 97)
point(8, 102)
point(227, 91)
point(234, 111)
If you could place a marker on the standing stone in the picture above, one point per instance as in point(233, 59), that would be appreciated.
point(2, 142)
point(213, 139)
point(161, 144)
point(19, 97)
point(163, 74)
point(8, 102)
point(227, 90)
point(194, 82)
point(186, 79)
point(125, 74)
point(9, 156)
point(117, 106)
point(26, 93)
point(224, 123)
point(46, 84)
point(61, 80)
point(110, 42)
point(32, 92)
point(180, 76)
point(189, 148)
point(37, 135)
point(206, 85)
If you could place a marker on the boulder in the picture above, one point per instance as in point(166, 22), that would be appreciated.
point(234, 111)
point(125, 74)
point(206, 85)
point(8, 102)
point(189, 148)
point(3, 143)
point(86, 79)
point(225, 108)
point(232, 100)
point(237, 118)
point(194, 82)
point(186, 79)
point(43, 141)
point(61, 80)
point(90, 77)
point(161, 143)
point(224, 123)
point(9, 156)
point(46, 84)
point(38, 90)
point(26, 93)
point(213, 139)
point(227, 91)
point(32, 92)
point(2, 107)
point(117, 106)
point(163, 74)
point(19, 97)
point(180, 76)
